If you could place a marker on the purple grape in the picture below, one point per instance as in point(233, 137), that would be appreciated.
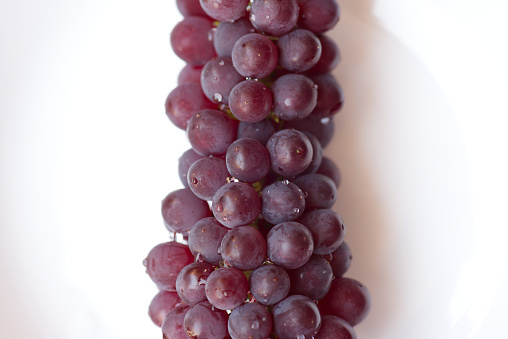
point(254, 55)
point(330, 96)
point(210, 132)
point(247, 160)
point(161, 305)
point(320, 191)
point(236, 204)
point(341, 260)
point(261, 131)
point(225, 10)
point(190, 282)
point(327, 230)
point(244, 248)
point(274, 17)
point(172, 327)
point(251, 320)
point(203, 321)
point(321, 128)
point(250, 101)
point(228, 33)
point(218, 78)
point(290, 152)
point(184, 101)
point(190, 8)
point(206, 176)
point(181, 209)
point(190, 74)
point(347, 299)
point(184, 163)
point(226, 288)
point(296, 317)
point(289, 244)
point(333, 327)
point(330, 56)
point(299, 50)
point(282, 201)
point(204, 240)
point(312, 279)
point(294, 96)
point(269, 284)
point(317, 154)
point(165, 261)
point(329, 169)
point(318, 16)
point(191, 40)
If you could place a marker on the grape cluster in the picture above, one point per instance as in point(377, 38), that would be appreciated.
point(262, 255)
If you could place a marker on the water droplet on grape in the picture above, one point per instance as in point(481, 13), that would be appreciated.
point(252, 17)
point(145, 262)
point(315, 86)
point(285, 182)
point(217, 97)
point(333, 277)
point(225, 293)
point(255, 325)
point(325, 120)
point(300, 336)
point(287, 102)
point(202, 281)
point(219, 208)
point(221, 63)
point(315, 302)
point(296, 210)
point(194, 181)
point(301, 275)
point(267, 17)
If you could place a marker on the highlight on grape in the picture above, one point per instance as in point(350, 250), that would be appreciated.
point(261, 254)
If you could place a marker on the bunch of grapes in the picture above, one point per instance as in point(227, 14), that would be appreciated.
point(261, 254)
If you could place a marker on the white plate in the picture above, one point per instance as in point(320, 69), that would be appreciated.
point(87, 155)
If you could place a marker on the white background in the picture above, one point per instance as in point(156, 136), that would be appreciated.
point(87, 154)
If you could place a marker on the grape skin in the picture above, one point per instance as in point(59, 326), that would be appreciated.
point(252, 321)
point(289, 244)
point(297, 316)
point(161, 304)
point(269, 284)
point(205, 238)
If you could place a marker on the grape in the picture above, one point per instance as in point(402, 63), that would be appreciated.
point(165, 261)
point(335, 328)
point(190, 74)
point(330, 96)
point(252, 321)
point(347, 299)
point(247, 160)
point(205, 238)
point(289, 244)
point(296, 317)
point(274, 17)
point(206, 176)
point(261, 131)
point(184, 101)
point(299, 50)
point(224, 10)
point(318, 16)
point(294, 96)
point(250, 101)
point(244, 248)
point(184, 163)
point(191, 40)
point(172, 327)
point(330, 56)
point(218, 78)
point(317, 154)
point(329, 169)
point(321, 128)
point(327, 230)
point(190, 8)
point(203, 321)
point(312, 279)
point(228, 33)
point(254, 55)
point(290, 152)
point(236, 204)
point(282, 201)
point(320, 191)
point(210, 132)
point(181, 209)
point(226, 288)
point(190, 282)
point(341, 259)
point(161, 305)
point(269, 284)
